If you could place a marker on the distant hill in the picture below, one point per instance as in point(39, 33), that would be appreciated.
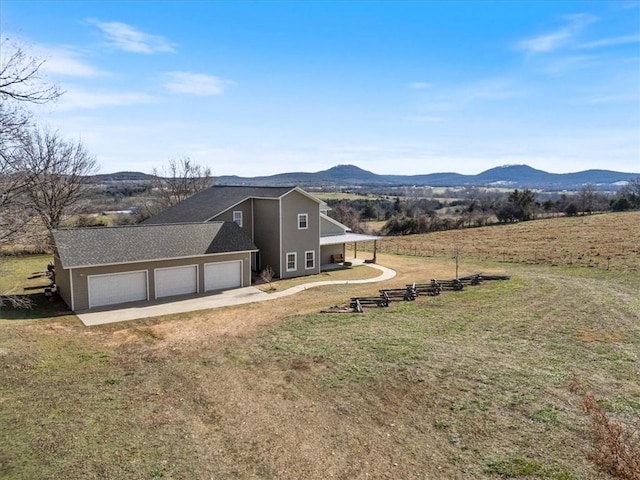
point(510, 176)
point(515, 176)
point(122, 176)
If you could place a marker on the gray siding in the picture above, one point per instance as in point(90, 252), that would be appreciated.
point(299, 241)
point(247, 216)
point(63, 281)
point(80, 282)
point(267, 233)
point(330, 228)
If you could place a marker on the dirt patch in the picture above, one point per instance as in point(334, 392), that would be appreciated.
point(590, 336)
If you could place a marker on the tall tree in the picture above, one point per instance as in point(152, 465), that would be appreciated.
point(178, 180)
point(57, 174)
point(21, 84)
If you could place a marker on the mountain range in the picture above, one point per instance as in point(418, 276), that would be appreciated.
point(510, 176)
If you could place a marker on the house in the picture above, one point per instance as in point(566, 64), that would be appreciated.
point(211, 241)
point(290, 227)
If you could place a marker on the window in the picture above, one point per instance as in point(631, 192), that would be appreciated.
point(291, 262)
point(310, 259)
point(237, 217)
point(303, 221)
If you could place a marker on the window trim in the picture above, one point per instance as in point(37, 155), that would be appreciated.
point(313, 260)
point(306, 221)
point(295, 262)
point(239, 218)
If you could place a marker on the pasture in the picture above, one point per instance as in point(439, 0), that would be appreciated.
point(604, 241)
point(471, 384)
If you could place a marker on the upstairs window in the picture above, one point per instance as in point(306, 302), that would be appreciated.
point(237, 217)
point(303, 221)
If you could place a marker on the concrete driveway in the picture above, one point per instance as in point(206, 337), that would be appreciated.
point(237, 296)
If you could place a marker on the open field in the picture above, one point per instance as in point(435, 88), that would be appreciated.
point(602, 241)
point(471, 384)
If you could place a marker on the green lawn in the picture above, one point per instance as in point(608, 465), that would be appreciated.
point(471, 384)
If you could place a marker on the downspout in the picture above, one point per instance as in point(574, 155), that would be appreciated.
point(280, 236)
point(73, 297)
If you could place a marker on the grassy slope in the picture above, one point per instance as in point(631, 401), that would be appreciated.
point(602, 241)
point(467, 385)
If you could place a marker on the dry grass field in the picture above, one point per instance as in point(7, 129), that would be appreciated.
point(602, 241)
point(467, 385)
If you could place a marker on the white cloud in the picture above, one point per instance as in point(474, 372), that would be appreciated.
point(544, 43)
point(67, 61)
point(561, 37)
point(196, 83)
point(127, 38)
point(608, 42)
point(420, 85)
point(461, 96)
point(74, 99)
point(610, 98)
point(424, 119)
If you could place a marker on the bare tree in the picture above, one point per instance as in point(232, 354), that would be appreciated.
point(21, 83)
point(178, 180)
point(57, 172)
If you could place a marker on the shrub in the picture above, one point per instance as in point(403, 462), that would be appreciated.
point(616, 447)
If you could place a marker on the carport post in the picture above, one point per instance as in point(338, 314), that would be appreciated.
point(375, 248)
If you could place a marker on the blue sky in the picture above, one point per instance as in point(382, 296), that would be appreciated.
point(258, 88)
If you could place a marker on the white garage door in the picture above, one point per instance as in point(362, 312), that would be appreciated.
point(117, 288)
point(176, 281)
point(218, 276)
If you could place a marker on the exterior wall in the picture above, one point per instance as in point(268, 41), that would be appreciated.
point(81, 288)
point(266, 233)
point(328, 250)
point(330, 228)
point(247, 216)
point(299, 241)
point(63, 281)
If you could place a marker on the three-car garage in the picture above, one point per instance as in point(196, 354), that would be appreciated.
point(125, 287)
point(122, 265)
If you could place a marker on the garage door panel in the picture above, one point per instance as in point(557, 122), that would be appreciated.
point(223, 275)
point(117, 288)
point(176, 281)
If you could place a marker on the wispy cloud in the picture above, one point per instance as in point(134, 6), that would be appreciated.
point(125, 37)
point(420, 85)
point(570, 63)
point(75, 99)
point(611, 98)
point(67, 61)
point(196, 83)
point(424, 119)
point(610, 42)
point(551, 41)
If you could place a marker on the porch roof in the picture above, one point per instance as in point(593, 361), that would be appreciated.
point(347, 238)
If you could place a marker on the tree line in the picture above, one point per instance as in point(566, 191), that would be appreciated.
point(404, 216)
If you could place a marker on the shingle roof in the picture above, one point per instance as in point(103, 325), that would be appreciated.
point(212, 201)
point(102, 246)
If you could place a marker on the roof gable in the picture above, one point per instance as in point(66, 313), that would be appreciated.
point(78, 247)
point(213, 201)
